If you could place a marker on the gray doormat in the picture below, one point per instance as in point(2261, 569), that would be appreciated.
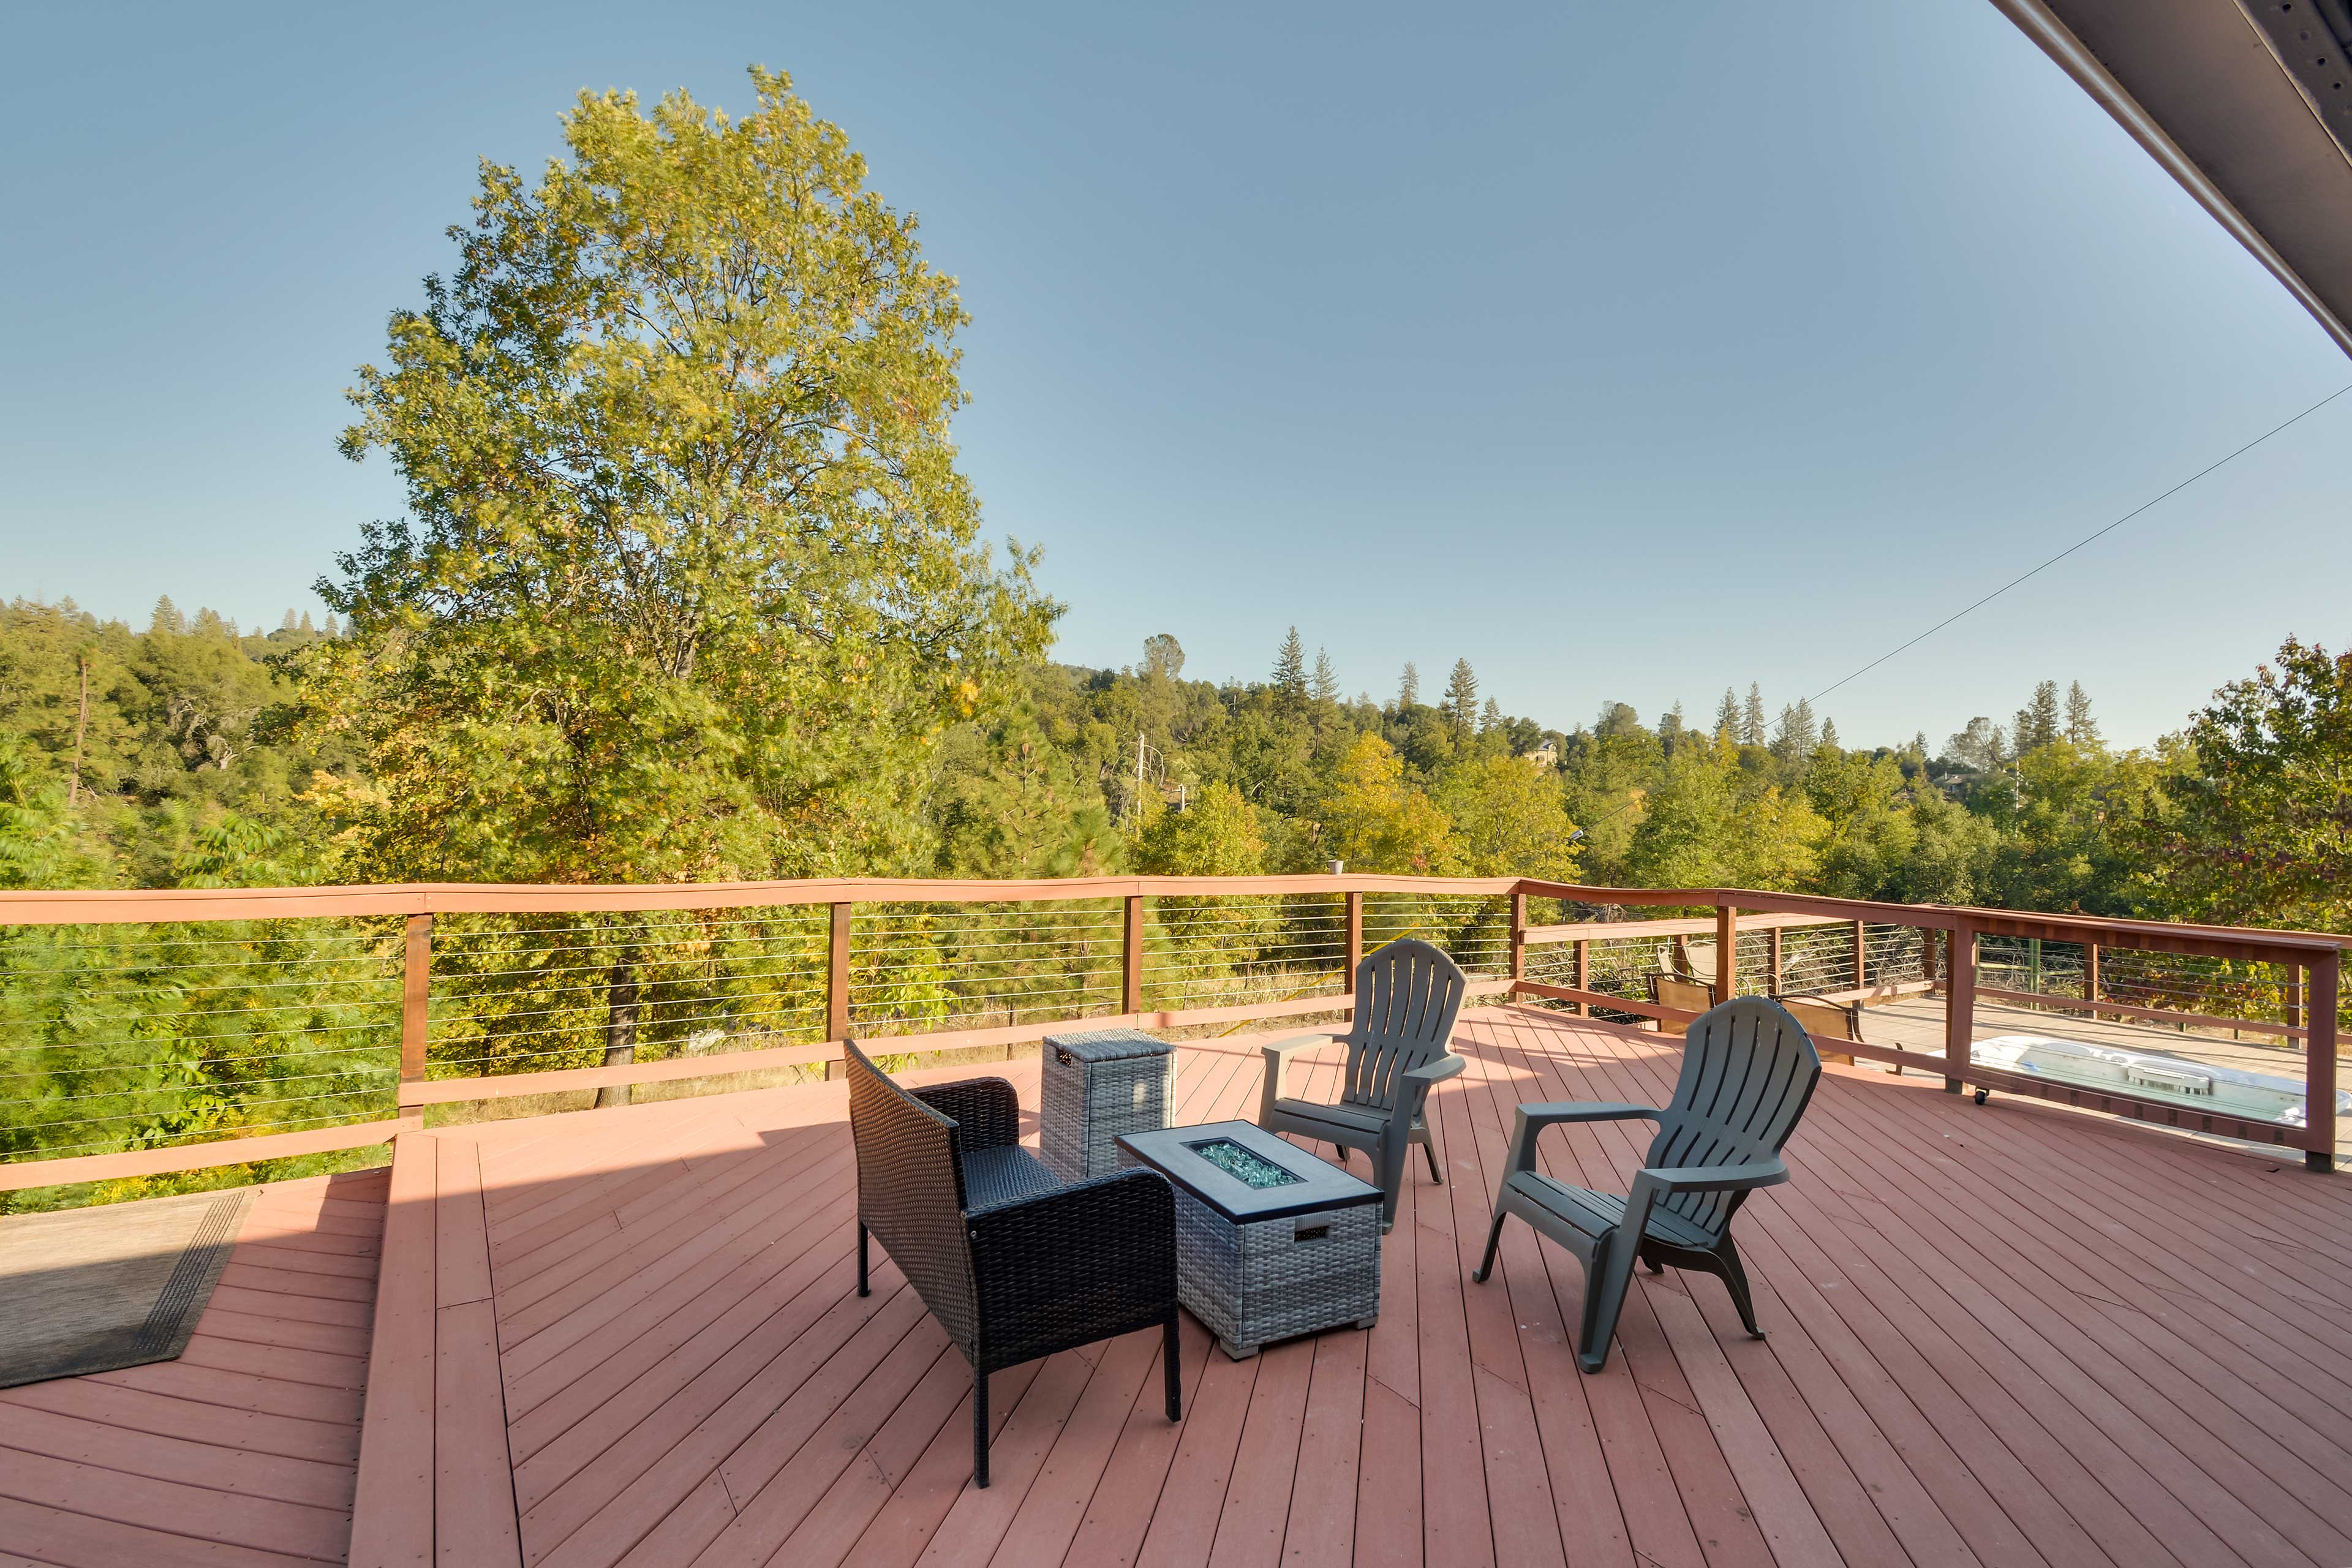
point(118, 1285)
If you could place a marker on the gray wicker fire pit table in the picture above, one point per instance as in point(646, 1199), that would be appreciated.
point(1270, 1240)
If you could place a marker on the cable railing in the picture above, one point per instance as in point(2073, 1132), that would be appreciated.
point(150, 1032)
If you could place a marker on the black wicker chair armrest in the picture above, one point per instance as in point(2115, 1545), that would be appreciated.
point(1075, 1265)
point(986, 1111)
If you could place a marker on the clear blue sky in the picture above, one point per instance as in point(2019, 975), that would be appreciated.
point(1631, 351)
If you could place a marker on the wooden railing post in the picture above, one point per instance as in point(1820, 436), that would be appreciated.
point(1779, 969)
point(2090, 972)
point(836, 976)
point(417, 999)
point(1130, 963)
point(1355, 938)
point(2319, 1061)
point(1584, 976)
point(1861, 954)
point(1726, 952)
point(1959, 1008)
point(1519, 936)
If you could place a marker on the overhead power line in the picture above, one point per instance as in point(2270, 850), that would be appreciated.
point(2086, 539)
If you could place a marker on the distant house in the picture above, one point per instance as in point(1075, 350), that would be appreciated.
point(1544, 756)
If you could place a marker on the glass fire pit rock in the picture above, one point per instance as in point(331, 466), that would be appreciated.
point(1242, 1166)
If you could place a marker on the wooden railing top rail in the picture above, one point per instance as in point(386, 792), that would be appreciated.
point(152, 905)
point(2157, 936)
point(129, 906)
point(1686, 925)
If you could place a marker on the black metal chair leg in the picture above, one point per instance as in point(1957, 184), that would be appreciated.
point(980, 1429)
point(1171, 1352)
point(862, 1287)
point(1487, 1264)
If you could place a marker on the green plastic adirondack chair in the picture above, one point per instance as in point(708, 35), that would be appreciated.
point(1408, 996)
point(1749, 1070)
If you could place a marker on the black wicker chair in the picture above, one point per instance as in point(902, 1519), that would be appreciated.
point(1013, 1264)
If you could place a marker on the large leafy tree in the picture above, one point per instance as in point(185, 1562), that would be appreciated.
point(1509, 818)
point(1377, 822)
point(2257, 826)
point(689, 582)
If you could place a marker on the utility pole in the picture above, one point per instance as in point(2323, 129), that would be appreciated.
point(82, 727)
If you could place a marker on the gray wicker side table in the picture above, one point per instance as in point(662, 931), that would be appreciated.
point(1271, 1241)
point(1099, 1083)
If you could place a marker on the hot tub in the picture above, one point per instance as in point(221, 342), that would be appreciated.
point(2154, 1075)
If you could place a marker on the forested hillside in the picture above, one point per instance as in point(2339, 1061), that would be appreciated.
point(188, 766)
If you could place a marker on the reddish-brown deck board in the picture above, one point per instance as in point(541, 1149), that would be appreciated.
point(1997, 1335)
point(184, 1463)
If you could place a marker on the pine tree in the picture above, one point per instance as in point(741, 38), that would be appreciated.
point(1796, 735)
point(1460, 704)
point(1672, 725)
point(1325, 686)
point(1830, 735)
point(2081, 727)
point(1752, 719)
point(289, 623)
point(1919, 744)
point(2037, 722)
point(168, 619)
point(306, 628)
point(334, 630)
point(1409, 687)
point(1290, 667)
point(1727, 716)
point(1490, 718)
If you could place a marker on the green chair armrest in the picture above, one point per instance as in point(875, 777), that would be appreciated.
point(1438, 1072)
point(1669, 1180)
point(1550, 1112)
point(1277, 1063)
point(1532, 1118)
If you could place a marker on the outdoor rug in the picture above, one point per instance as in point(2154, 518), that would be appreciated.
point(116, 1285)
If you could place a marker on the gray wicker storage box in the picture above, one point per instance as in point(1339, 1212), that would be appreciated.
point(1260, 1264)
point(1099, 1083)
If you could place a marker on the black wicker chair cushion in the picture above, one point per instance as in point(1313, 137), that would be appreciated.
point(995, 1176)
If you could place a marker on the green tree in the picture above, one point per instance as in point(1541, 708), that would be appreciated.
point(1376, 822)
point(1704, 827)
point(1752, 716)
point(1409, 687)
point(1507, 819)
point(1796, 736)
point(2255, 826)
point(1460, 706)
point(1216, 835)
point(691, 582)
point(1324, 686)
point(2037, 723)
point(1727, 716)
point(1290, 667)
point(2081, 727)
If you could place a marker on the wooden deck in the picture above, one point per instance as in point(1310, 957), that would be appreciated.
point(241, 1452)
point(2002, 1335)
